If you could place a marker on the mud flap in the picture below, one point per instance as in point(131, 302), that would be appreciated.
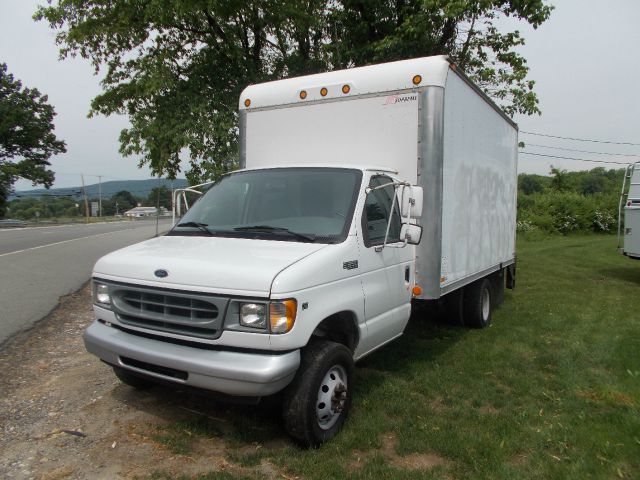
point(511, 276)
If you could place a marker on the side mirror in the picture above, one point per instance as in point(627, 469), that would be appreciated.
point(411, 233)
point(411, 201)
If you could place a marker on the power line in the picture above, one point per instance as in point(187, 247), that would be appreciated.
point(580, 139)
point(571, 158)
point(583, 151)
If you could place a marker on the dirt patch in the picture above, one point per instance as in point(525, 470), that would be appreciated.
point(518, 460)
point(489, 410)
point(64, 415)
point(413, 461)
point(607, 397)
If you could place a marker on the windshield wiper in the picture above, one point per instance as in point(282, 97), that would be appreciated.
point(200, 226)
point(268, 228)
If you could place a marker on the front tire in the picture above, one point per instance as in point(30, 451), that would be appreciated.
point(317, 402)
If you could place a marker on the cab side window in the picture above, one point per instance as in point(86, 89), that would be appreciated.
point(376, 213)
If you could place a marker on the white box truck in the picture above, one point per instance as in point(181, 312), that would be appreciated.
point(631, 209)
point(360, 192)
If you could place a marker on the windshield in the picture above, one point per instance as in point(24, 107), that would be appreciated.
point(292, 204)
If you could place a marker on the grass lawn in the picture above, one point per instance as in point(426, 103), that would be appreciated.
point(551, 390)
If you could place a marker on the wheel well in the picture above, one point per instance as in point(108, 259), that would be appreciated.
point(341, 328)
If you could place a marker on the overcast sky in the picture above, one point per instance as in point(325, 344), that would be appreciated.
point(585, 61)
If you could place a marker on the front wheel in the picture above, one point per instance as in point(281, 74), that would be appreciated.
point(317, 402)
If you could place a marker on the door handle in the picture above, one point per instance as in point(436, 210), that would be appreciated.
point(407, 274)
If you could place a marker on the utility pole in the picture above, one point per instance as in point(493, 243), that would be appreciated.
point(100, 196)
point(86, 201)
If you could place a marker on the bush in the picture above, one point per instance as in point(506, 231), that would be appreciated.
point(567, 212)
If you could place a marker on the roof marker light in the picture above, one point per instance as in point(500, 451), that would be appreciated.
point(303, 94)
point(247, 102)
point(417, 79)
point(324, 91)
point(346, 89)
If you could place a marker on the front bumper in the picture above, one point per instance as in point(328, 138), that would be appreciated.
point(231, 372)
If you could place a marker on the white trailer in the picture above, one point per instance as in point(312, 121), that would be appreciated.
point(630, 207)
point(361, 192)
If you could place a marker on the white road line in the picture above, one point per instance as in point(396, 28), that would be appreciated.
point(22, 229)
point(64, 241)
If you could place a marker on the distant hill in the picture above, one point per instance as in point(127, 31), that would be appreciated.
point(139, 188)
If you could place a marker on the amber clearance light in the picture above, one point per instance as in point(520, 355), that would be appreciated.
point(324, 91)
point(303, 94)
point(346, 89)
point(417, 79)
point(247, 102)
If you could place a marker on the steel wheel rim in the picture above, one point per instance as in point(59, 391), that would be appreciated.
point(486, 304)
point(332, 396)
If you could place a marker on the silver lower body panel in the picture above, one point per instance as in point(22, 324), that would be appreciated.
point(230, 372)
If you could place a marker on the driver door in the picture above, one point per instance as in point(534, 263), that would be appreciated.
point(387, 272)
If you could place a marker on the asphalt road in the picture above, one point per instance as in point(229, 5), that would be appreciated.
point(39, 265)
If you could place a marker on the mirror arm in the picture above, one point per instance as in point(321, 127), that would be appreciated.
point(393, 204)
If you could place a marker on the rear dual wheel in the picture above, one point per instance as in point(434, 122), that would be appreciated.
point(471, 305)
point(478, 304)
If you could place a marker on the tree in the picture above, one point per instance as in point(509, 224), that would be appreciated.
point(27, 140)
point(560, 179)
point(160, 196)
point(530, 184)
point(177, 68)
point(124, 200)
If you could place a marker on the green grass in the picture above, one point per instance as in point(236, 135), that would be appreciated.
point(551, 390)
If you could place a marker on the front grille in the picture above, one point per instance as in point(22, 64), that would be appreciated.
point(169, 311)
point(168, 326)
point(170, 305)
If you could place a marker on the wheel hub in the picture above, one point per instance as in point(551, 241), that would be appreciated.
point(332, 396)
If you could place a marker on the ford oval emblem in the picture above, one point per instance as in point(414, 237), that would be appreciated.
point(161, 273)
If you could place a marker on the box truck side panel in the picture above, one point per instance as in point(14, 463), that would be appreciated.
point(632, 231)
point(372, 131)
point(479, 185)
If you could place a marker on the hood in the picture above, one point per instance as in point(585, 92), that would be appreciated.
point(234, 266)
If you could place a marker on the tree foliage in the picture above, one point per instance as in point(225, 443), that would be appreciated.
point(27, 140)
point(569, 201)
point(160, 197)
point(177, 68)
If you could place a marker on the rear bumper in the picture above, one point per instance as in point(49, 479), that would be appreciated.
point(230, 372)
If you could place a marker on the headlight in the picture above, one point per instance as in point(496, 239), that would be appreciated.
point(282, 315)
point(101, 293)
point(253, 315)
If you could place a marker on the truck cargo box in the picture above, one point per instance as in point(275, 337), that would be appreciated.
point(421, 118)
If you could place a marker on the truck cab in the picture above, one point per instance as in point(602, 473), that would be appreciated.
point(268, 262)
